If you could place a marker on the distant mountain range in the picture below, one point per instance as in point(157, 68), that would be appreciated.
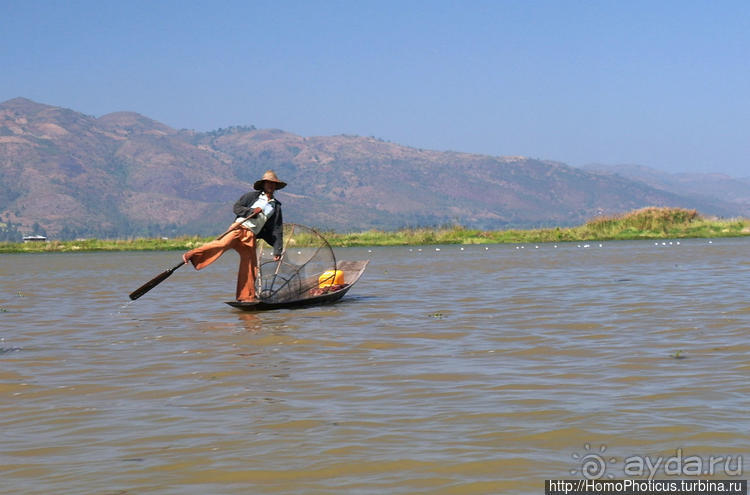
point(68, 175)
point(731, 192)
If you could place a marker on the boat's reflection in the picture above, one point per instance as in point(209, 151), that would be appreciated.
point(252, 322)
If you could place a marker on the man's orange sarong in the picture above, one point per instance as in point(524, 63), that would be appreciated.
point(241, 240)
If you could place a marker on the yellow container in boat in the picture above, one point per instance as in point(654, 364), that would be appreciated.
point(331, 277)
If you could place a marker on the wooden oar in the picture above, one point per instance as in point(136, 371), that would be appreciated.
point(154, 282)
point(166, 273)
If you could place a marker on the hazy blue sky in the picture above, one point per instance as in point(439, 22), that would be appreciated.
point(658, 83)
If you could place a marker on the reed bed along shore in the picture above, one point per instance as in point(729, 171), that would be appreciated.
point(646, 223)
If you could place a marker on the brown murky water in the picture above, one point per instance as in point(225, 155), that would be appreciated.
point(458, 371)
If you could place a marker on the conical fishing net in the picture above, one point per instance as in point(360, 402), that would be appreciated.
point(306, 268)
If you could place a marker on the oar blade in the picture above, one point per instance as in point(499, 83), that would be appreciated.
point(153, 282)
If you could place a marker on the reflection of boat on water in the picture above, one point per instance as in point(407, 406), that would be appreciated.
point(315, 292)
point(306, 274)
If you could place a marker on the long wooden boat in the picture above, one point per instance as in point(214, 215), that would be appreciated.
point(352, 271)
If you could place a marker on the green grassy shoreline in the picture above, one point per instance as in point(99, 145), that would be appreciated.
point(646, 223)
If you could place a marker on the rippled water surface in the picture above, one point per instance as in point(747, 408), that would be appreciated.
point(450, 371)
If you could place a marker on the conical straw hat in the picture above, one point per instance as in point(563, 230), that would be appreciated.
point(269, 176)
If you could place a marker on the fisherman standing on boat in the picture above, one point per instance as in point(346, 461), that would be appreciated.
point(258, 216)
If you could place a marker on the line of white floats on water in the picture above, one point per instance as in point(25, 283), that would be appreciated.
point(537, 246)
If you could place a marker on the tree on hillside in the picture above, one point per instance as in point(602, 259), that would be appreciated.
point(9, 232)
point(37, 229)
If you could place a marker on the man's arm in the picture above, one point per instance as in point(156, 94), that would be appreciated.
point(242, 208)
point(278, 234)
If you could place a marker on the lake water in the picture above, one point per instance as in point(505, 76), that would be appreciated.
point(479, 370)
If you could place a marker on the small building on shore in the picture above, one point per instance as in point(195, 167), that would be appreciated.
point(34, 238)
